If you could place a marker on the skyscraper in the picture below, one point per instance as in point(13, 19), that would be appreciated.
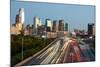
point(20, 19)
point(54, 26)
point(21, 15)
point(66, 26)
point(94, 30)
point(29, 29)
point(37, 22)
point(90, 29)
point(48, 25)
point(17, 20)
point(41, 30)
point(61, 25)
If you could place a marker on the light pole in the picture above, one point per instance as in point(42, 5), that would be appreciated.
point(22, 33)
point(22, 47)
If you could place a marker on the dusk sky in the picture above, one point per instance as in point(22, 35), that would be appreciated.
point(77, 16)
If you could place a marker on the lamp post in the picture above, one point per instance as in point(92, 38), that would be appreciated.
point(22, 48)
point(22, 33)
point(21, 20)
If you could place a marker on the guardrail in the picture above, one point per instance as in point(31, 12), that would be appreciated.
point(29, 58)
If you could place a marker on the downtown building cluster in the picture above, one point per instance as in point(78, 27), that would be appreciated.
point(83, 33)
point(50, 28)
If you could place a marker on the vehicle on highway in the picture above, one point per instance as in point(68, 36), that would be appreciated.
point(73, 52)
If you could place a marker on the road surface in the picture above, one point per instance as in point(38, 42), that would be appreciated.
point(64, 50)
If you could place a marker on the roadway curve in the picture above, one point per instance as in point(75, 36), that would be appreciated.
point(63, 50)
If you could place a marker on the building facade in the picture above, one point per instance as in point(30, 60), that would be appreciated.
point(66, 26)
point(55, 26)
point(61, 25)
point(48, 24)
point(91, 29)
point(37, 24)
point(19, 23)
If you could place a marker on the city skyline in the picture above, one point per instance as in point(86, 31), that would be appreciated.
point(50, 33)
point(79, 21)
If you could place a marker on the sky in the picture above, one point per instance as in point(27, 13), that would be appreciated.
point(77, 16)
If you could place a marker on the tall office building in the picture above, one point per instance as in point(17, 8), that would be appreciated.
point(14, 30)
point(66, 26)
point(91, 29)
point(21, 15)
point(54, 26)
point(19, 21)
point(41, 30)
point(48, 25)
point(94, 30)
point(37, 22)
point(29, 29)
point(61, 25)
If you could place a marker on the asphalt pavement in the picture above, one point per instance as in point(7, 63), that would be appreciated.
point(64, 50)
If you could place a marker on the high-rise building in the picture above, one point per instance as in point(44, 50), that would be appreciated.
point(48, 25)
point(14, 30)
point(94, 30)
point(20, 19)
point(54, 26)
point(66, 26)
point(37, 22)
point(41, 30)
point(90, 29)
point(17, 20)
point(19, 26)
point(61, 25)
point(28, 30)
point(21, 15)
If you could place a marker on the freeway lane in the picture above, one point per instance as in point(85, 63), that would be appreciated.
point(52, 54)
point(88, 54)
point(64, 50)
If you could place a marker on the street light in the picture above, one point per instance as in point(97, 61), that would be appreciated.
point(22, 33)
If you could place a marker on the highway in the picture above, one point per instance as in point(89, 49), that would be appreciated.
point(63, 50)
